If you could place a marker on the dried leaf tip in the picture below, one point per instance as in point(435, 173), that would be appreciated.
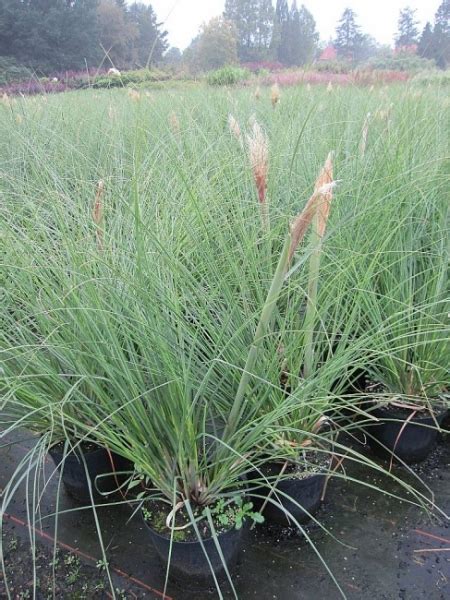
point(258, 152)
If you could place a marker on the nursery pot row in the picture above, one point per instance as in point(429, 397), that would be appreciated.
point(289, 500)
point(410, 437)
point(92, 467)
point(405, 434)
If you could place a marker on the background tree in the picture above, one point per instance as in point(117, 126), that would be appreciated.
point(253, 20)
point(348, 36)
point(190, 56)
point(117, 34)
point(306, 38)
point(280, 34)
point(407, 31)
point(426, 48)
point(264, 29)
point(49, 34)
point(150, 43)
point(217, 44)
point(172, 57)
point(441, 35)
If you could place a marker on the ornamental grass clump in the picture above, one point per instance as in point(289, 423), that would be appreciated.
point(406, 308)
point(297, 232)
point(180, 337)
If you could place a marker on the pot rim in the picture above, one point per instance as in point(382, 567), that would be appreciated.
point(397, 413)
point(323, 472)
point(186, 543)
point(73, 451)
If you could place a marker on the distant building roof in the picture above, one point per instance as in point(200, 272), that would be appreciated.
point(329, 53)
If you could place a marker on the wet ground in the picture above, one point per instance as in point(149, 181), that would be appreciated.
point(385, 548)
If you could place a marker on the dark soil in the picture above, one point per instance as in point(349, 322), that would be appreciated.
point(155, 514)
point(73, 579)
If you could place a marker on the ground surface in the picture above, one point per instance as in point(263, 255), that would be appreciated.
point(389, 549)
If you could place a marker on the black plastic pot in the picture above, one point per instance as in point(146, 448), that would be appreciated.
point(98, 462)
point(188, 562)
point(307, 492)
point(412, 444)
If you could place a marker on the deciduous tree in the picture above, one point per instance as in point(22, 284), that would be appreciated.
point(253, 20)
point(117, 34)
point(216, 45)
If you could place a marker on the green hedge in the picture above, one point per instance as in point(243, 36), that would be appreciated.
point(227, 76)
point(12, 72)
point(137, 77)
point(433, 77)
point(401, 62)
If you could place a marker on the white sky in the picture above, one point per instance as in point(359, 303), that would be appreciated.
point(183, 18)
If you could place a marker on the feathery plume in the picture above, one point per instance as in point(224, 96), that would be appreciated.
point(324, 188)
point(134, 95)
point(234, 128)
point(308, 87)
point(384, 114)
point(257, 93)
point(97, 212)
point(329, 87)
point(320, 200)
point(275, 94)
point(19, 119)
point(174, 124)
point(258, 152)
point(112, 113)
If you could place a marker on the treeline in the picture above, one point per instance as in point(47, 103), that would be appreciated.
point(50, 35)
point(257, 31)
point(263, 32)
point(70, 34)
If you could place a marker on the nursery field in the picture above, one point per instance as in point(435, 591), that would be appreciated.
point(224, 343)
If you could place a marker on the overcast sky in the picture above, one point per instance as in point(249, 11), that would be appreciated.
point(183, 18)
